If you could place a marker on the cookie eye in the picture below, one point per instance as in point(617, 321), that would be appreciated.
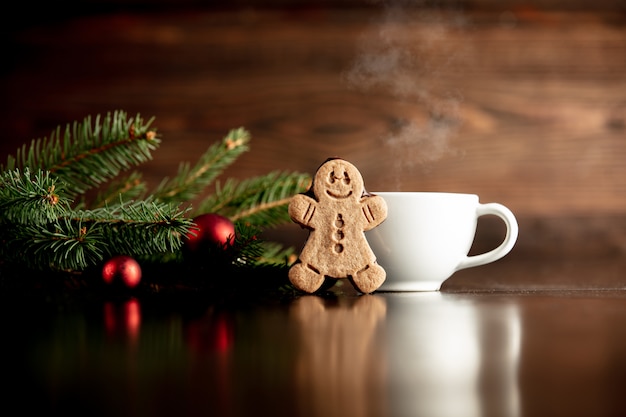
point(332, 177)
point(346, 178)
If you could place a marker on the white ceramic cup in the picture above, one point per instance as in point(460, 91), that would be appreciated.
point(427, 236)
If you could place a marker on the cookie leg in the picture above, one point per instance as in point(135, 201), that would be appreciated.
point(305, 277)
point(369, 278)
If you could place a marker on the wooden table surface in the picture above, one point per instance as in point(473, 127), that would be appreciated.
point(505, 354)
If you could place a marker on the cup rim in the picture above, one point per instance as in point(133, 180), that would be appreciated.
point(424, 193)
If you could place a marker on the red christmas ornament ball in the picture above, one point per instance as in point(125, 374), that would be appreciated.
point(122, 269)
point(210, 229)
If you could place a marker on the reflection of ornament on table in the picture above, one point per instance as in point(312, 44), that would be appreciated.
point(337, 211)
point(211, 333)
point(123, 320)
point(71, 201)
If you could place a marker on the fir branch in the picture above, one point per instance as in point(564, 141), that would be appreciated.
point(190, 182)
point(84, 238)
point(63, 245)
point(261, 200)
point(25, 197)
point(87, 154)
point(129, 187)
point(39, 228)
point(139, 228)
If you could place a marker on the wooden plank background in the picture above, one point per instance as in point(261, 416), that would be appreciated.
point(521, 103)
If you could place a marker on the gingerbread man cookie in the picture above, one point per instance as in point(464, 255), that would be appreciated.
point(337, 213)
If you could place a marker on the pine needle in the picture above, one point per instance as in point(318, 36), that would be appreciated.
point(158, 226)
point(258, 200)
point(87, 237)
point(88, 154)
point(31, 198)
point(126, 188)
point(190, 182)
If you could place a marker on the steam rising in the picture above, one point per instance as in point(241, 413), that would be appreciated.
point(406, 54)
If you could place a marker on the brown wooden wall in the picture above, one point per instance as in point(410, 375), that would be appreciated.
point(523, 103)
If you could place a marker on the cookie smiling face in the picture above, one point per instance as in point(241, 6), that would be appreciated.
point(338, 180)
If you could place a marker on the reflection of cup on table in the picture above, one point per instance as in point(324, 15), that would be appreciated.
point(427, 237)
point(451, 355)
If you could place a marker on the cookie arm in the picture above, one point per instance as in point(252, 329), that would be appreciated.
point(374, 210)
point(302, 210)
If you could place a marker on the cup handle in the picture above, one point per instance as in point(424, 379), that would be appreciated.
point(505, 247)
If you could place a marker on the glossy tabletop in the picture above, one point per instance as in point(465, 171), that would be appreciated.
point(516, 353)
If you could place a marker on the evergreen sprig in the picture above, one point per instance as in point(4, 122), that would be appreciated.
point(157, 225)
point(31, 198)
point(84, 238)
point(63, 245)
point(258, 200)
point(126, 188)
point(89, 154)
point(46, 221)
point(192, 181)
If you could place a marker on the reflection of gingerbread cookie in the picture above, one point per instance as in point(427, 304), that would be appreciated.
point(337, 215)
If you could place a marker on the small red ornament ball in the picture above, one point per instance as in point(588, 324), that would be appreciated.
point(210, 230)
point(122, 269)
